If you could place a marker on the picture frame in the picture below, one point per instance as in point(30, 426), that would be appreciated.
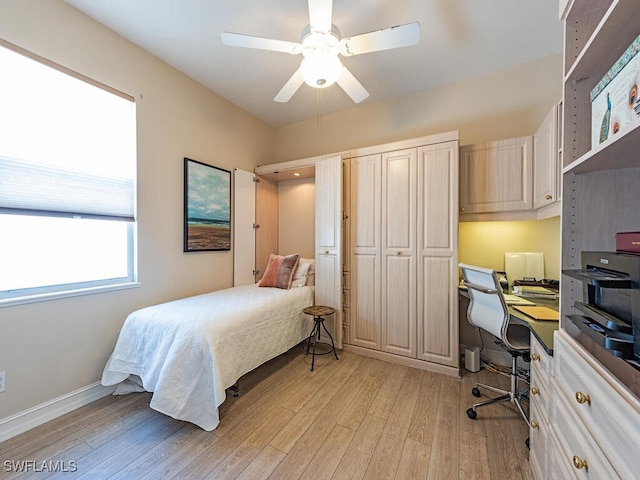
point(207, 207)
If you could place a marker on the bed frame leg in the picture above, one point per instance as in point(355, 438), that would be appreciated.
point(235, 389)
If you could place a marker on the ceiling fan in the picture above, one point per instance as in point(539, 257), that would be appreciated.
point(320, 46)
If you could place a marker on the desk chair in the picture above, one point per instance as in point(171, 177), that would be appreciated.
point(488, 311)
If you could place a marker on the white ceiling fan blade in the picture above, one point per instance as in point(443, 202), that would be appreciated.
point(248, 41)
point(385, 39)
point(351, 85)
point(320, 15)
point(291, 87)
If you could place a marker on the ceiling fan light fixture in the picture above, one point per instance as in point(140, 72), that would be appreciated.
point(320, 70)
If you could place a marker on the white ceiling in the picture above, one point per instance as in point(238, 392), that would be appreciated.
point(459, 39)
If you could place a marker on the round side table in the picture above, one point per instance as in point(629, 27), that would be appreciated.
point(319, 312)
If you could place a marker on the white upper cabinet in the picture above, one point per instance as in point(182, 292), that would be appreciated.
point(496, 176)
point(545, 161)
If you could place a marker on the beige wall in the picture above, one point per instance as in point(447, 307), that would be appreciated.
point(52, 348)
point(503, 104)
point(296, 217)
point(484, 243)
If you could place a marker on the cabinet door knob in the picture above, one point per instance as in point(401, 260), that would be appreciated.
point(535, 357)
point(582, 398)
point(326, 252)
point(548, 197)
point(535, 391)
point(534, 424)
point(398, 253)
point(580, 463)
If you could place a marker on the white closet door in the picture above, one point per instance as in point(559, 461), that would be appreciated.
point(328, 210)
point(438, 253)
point(365, 261)
point(244, 217)
point(398, 274)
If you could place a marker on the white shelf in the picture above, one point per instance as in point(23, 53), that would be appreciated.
point(611, 37)
point(619, 151)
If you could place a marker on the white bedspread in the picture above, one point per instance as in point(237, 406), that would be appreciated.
point(187, 352)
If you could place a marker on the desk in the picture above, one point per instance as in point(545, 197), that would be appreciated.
point(542, 329)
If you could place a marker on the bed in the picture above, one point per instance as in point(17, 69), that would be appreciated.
point(189, 351)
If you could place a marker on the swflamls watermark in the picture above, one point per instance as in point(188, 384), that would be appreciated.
point(22, 466)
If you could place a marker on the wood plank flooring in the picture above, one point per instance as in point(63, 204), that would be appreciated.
point(356, 418)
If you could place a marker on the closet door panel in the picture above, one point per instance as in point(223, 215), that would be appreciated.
point(435, 337)
point(398, 222)
point(267, 218)
point(328, 226)
point(399, 313)
point(365, 311)
point(438, 253)
point(365, 251)
point(244, 235)
point(436, 229)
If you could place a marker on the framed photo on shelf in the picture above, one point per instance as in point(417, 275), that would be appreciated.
point(207, 207)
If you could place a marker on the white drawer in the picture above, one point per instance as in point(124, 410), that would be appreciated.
point(595, 399)
point(539, 357)
point(540, 392)
point(557, 468)
point(538, 441)
point(576, 445)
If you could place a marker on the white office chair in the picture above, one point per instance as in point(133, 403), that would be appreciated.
point(488, 311)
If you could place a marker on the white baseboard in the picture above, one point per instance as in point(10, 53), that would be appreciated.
point(35, 416)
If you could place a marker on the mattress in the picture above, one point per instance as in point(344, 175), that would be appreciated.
point(189, 351)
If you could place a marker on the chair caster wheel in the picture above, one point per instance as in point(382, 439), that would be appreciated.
point(526, 442)
point(475, 391)
point(472, 414)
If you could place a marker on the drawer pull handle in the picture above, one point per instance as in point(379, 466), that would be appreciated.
point(582, 398)
point(535, 357)
point(548, 197)
point(398, 252)
point(535, 391)
point(579, 463)
point(534, 424)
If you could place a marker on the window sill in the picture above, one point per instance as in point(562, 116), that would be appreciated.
point(43, 297)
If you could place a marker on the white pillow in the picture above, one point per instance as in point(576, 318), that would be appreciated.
point(300, 275)
point(311, 274)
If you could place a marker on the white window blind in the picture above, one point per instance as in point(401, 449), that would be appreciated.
point(67, 171)
point(67, 147)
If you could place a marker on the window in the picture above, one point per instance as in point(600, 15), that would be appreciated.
point(67, 181)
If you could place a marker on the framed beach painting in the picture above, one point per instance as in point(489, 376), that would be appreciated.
point(207, 207)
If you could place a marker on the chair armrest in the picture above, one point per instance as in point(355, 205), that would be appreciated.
point(480, 288)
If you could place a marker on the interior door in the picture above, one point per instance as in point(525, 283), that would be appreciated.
point(244, 238)
point(398, 268)
point(438, 253)
point(365, 302)
point(328, 227)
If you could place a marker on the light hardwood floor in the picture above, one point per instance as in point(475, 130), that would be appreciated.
point(349, 419)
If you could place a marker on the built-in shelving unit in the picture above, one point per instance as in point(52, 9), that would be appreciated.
point(601, 185)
